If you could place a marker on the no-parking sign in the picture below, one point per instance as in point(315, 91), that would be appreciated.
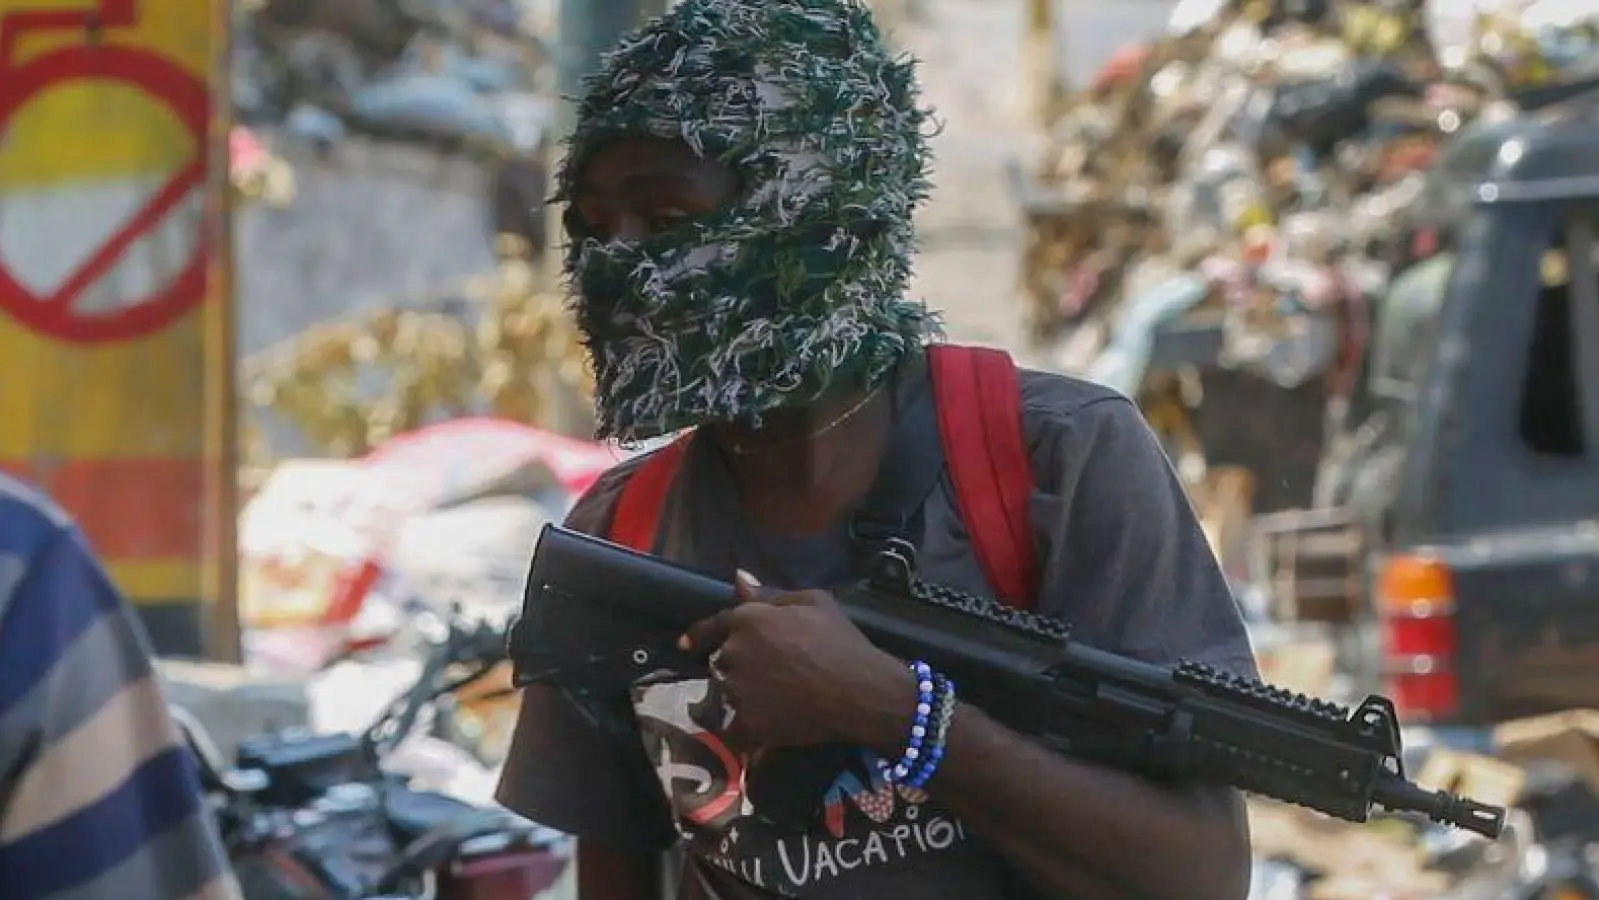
point(117, 170)
point(111, 323)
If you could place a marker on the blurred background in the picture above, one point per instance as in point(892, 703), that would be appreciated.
point(278, 325)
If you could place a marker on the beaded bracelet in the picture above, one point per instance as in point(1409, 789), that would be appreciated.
point(925, 695)
point(939, 737)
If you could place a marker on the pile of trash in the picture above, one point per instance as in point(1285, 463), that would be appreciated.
point(1220, 215)
point(438, 522)
point(1229, 191)
point(1545, 769)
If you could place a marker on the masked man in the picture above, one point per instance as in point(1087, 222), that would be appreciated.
point(740, 189)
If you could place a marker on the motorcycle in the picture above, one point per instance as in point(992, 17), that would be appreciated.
point(309, 816)
point(476, 718)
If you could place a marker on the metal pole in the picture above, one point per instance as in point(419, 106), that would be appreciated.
point(588, 28)
point(1041, 68)
point(585, 30)
point(223, 638)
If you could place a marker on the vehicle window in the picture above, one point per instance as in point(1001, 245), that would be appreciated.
point(1405, 327)
point(1553, 399)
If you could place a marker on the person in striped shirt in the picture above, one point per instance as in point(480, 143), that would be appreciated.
point(99, 797)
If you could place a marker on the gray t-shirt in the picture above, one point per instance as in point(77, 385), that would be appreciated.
point(1124, 561)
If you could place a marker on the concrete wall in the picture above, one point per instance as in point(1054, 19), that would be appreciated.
point(371, 224)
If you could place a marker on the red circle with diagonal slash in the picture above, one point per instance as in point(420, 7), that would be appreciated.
point(190, 100)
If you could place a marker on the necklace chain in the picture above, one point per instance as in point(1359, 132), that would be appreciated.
point(836, 421)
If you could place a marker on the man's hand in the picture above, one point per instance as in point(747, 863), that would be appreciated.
point(798, 672)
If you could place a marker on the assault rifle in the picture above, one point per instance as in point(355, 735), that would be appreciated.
point(597, 618)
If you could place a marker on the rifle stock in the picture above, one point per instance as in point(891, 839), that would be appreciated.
point(598, 617)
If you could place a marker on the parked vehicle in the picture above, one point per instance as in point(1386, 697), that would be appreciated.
point(1456, 541)
point(311, 816)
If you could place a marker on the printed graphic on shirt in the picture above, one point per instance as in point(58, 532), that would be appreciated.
point(863, 821)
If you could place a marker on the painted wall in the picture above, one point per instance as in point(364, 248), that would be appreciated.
point(113, 325)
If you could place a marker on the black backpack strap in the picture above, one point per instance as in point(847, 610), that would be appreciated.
point(913, 463)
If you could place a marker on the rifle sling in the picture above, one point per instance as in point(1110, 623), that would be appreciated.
point(912, 464)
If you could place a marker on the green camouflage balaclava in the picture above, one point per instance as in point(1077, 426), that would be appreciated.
point(794, 290)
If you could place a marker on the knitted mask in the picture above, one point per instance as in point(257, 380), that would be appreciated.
point(792, 291)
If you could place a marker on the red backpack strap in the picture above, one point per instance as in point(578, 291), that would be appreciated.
point(989, 466)
point(637, 519)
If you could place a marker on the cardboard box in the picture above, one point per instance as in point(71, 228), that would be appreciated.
point(1489, 780)
point(1570, 738)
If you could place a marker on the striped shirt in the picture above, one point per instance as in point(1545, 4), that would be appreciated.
point(99, 799)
